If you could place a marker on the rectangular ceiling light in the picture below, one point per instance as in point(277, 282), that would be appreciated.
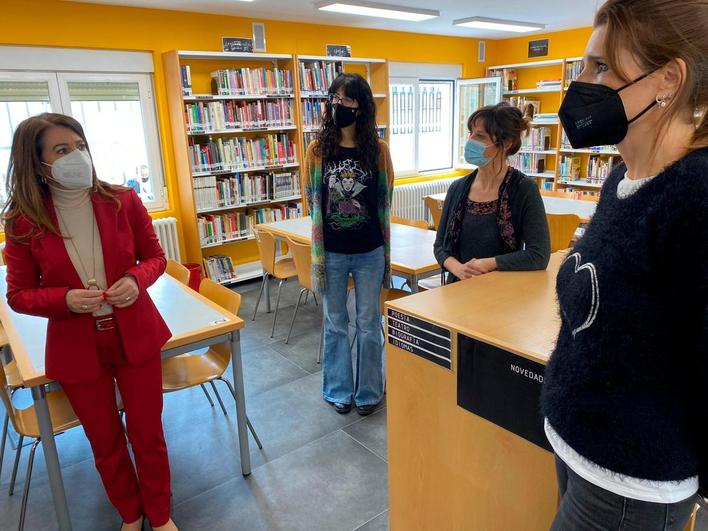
point(495, 24)
point(371, 9)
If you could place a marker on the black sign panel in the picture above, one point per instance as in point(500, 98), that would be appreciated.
point(419, 337)
point(538, 48)
point(237, 44)
point(501, 387)
point(339, 50)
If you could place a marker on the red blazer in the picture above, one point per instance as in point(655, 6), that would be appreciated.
point(40, 272)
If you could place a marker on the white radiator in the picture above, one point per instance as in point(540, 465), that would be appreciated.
point(408, 198)
point(166, 230)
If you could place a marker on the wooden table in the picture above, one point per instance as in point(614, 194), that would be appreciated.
point(411, 248)
point(195, 322)
point(555, 205)
point(450, 468)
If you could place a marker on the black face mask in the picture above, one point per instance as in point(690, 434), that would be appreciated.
point(343, 116)
point(593, 114)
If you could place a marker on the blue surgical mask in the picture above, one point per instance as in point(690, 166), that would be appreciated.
point(474, 153)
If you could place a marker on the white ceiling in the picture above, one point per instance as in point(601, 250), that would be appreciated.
point(555, 14)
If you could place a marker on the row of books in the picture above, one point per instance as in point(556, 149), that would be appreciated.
point(528, 162)
point(572, 71)
point(219, 268)
point(312, 112)
point(220, 116)
point(537, 138)
point(565, 144)
point(549, 84)
point(599, 168)
point(570, 167)
point(213, 192)
point(241, 153)
point(252, 82)
point(185, 75)
point(508, 75)
point(215, 229)
point(318, 75)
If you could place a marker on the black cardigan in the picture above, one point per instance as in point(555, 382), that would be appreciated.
point(528, 216)
point(626, 385)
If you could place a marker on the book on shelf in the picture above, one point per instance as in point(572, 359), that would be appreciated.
point(537, 139)
point(235, 154)
point(308, 138)
point(508, 75)
point(219, 268)
point(312, 112)
point(212, 192)
point(317, 76)
point(205, 117)
point(549, 84)
point(219, 228)
point(528, 162)
point(572, 71)
point(529, 106)
point(275, 213)
point(570, 167)
point(599, 168)
point(600, 150)
point(186, 78)
point(252, 82)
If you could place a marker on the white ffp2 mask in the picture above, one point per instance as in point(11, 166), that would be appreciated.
point(73, 171)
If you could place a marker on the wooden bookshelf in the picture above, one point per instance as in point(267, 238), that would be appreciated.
point(550, 97)
point(242, 249)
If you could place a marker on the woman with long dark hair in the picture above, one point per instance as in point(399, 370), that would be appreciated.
point(349, 192)
point(82, 253)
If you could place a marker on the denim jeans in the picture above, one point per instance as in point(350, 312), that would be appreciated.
point(339, 385)
point(586, 507)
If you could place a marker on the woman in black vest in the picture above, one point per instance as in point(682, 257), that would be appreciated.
point(624, 394)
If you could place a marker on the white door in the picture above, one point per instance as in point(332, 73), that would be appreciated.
point(470, 95)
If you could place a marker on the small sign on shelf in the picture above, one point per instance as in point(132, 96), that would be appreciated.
point(237, 44)
point(339, 50)
point(538, 48)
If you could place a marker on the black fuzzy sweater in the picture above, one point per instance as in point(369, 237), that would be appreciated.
point(626, 386)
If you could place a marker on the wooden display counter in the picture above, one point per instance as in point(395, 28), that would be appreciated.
point(479, 345)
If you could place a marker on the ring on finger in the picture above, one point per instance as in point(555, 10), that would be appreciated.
point(84, 307)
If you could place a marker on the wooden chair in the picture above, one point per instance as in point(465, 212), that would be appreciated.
point(435, 208)
point(281, 269)
point(387, 294)
point(419, 223)
point(562, 228)
point(24, 421)
point(178, 272)
point(192, 369)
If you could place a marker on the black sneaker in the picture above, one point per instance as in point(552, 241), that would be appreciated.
point(342, 409)
point(366, 410)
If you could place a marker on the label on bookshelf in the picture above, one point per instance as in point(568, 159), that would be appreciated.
point(339, 50)
point(237, 44)
point(538, 48)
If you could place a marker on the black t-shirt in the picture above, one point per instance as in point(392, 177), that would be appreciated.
point(350, 204)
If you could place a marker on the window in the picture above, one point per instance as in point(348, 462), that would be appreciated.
point(117, 112)
point(421, 114)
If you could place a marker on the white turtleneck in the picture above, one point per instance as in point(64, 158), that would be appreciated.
point(77, 224)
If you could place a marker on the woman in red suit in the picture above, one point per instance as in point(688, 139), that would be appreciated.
point(82, 253)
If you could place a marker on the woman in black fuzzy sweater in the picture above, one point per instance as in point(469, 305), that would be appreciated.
point(624, 392)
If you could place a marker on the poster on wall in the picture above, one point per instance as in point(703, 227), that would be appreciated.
point(538, 48)
point(237, 44)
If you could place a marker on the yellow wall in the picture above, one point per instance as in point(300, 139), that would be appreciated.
point(561, 44)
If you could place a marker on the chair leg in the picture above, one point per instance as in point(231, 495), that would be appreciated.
point(277, 303)
point(248, 422)
point(297, 306)
point(315, 297)
point(260, 294)
point(206, 393)
point(218, 397)
point(28, 478)
point(4, 440)
point(17, 462)
point(307, 295)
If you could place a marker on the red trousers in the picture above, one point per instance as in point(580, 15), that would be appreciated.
point(133, 495)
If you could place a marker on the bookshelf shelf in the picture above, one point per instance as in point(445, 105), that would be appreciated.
point(539, 152)
point(543, 123)
point(590, 151)
point(541, 175)
point(545, 90)
point(215, 97)
point(249, 205)
point(583, 184)
point(245, 170)
point(240, 56)
point(247, 130)
point(309, 94)
point(226, 242)
point(528, 64)
point(345, 60)
point(379, 95)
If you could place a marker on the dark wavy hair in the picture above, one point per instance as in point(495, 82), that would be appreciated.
point(367, 140)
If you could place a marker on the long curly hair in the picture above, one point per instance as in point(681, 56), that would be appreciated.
point(367, 140)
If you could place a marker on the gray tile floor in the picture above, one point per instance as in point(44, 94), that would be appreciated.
point(318, 470)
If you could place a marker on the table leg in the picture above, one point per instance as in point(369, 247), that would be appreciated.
point(51, 458)
point(414, 283)
point(237, 366)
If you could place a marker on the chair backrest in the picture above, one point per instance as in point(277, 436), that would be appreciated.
point(391, 294)
point(177, 271)
point(435, 209)
point(562, 228)
point(420, 223)
point(302, 255)
point(220, 295)
point(266, 249)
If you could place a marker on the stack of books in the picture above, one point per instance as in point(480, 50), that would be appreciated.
point(221, 228)
point(549, 84)
point(205, 117)
point(252, 82)
point(241, 153)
